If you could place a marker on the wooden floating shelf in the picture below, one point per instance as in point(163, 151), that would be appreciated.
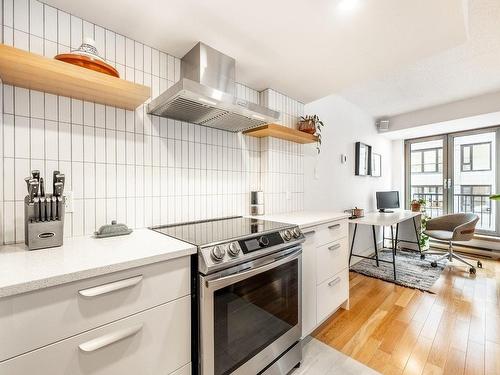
point(281, 132)
point(32, 71)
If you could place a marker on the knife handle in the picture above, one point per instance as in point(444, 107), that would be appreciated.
point(36, 202)
point(60, 208)
point(54, 207)
point(48, 208)
point(42, 209)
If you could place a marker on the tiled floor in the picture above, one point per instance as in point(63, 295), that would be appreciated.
point(321, 359)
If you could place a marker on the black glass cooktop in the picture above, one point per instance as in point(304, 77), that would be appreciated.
point(206, 232)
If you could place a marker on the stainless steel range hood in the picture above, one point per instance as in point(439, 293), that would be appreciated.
point(206, 94)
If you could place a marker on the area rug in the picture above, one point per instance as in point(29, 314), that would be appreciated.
point(411, 271)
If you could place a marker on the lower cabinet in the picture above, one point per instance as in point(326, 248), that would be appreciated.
point(331, 294)
point(152, 342)
point(325, 272)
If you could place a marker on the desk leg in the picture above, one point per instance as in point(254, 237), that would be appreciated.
point(375, 243)
point(392, 238)
point(394, 251)
point(417, 236)
point(352, 244)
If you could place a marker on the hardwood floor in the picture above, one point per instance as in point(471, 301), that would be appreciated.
point(397, 330)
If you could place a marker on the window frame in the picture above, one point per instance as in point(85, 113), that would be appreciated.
point(422, 164)
point(471, 163)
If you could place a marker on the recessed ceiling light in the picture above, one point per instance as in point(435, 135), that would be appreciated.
point(347, 5)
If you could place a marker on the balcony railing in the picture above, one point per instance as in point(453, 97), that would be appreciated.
point(479, 204)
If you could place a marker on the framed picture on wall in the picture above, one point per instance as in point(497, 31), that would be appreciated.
point(363, 159)
point(376, 165)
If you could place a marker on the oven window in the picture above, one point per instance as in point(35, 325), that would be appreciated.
point(252, 313)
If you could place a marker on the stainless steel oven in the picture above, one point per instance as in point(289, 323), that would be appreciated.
point(250, 316)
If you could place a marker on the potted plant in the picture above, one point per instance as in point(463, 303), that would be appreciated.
point(312, 124)
point(416, 204)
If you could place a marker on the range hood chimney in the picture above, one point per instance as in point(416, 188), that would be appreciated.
point(206, 94)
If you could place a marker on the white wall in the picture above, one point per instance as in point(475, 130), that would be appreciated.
point(336, 187)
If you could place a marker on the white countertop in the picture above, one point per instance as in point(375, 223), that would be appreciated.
point(305, 219)
point(385, 219)
point(82, 257)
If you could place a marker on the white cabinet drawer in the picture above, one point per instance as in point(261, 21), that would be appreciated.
point(32, 320)
point(153, 342)
point(331, 294)
point(332, 231)
point(331, 259)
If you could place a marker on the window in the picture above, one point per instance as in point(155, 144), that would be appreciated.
point(427, 160)
point(476, 157)
point(475, 198)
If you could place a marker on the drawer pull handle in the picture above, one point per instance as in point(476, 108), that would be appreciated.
point(110, 338)
point(110, 287)
point(334, 247)
point(309, 232)
point(334, 226)
point(334, 281)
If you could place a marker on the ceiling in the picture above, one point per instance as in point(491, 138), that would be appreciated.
point(467, 70)
point(306, 49)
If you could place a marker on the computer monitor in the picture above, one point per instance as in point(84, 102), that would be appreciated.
point(387, 199)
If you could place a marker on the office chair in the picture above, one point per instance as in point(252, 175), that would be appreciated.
point(450, 228)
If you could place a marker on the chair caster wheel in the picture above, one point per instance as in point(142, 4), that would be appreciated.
point(472, 271)
point(479, 264)
point(434, 264)
point(422, 256)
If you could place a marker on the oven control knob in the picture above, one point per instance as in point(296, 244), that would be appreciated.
point(287, 235)
point(218, 253)
point(263, 241)
point(233, 249)
point(296, 232)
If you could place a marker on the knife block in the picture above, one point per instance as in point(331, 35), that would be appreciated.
point(42, 234)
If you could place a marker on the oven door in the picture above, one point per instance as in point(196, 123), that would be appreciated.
point(250, 314)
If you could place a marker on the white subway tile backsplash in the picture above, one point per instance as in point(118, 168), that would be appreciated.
point(64, 28)
point(51, 140)
point(76, 32)
point(100, 145)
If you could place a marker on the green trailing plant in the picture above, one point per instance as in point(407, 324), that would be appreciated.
point(495, 197)
point(424, 239)
point(318, 124)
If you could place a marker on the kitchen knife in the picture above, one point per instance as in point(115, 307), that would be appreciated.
point(42, 187)
point(48, 207)
point(27, 180)
point(36, 174)
point(54, 174)
point(61, 178)
point(60, 208)
point(54, 207)
point(58, 189)
point(34, 189)
point(42, 209)
point(36, 202)
point(31, 190)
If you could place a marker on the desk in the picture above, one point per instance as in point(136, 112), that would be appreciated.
point(385, 219)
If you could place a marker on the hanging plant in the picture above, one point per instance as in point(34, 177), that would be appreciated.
point(312, 124)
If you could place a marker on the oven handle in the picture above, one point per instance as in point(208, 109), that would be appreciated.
point(231, 279)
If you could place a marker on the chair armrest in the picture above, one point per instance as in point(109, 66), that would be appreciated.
point(465, 232)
